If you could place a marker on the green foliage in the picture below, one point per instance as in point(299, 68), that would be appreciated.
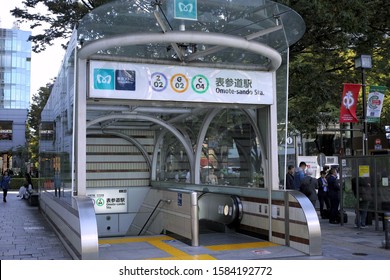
point(34, 118)
point(61, 17)
point(336, 31)
point(17, 182)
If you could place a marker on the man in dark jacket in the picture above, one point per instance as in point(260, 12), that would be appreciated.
point(290, 178)
point(323, 195)
point(334, 196)
point(308, 187)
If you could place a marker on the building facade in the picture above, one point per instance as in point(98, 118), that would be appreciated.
point(15, 68)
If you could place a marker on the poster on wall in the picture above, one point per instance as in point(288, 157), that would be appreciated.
point(133, 81)
point(111, 200)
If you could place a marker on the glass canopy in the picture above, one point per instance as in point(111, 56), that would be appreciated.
point(262, 21)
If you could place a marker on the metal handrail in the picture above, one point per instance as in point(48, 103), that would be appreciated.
point(151, 214)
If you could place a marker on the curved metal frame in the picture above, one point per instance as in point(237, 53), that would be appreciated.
point(202, 133)
point(192, 37)
point(313, 225)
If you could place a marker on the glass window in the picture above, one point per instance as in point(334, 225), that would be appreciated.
point(5, 130)
point(47, 131)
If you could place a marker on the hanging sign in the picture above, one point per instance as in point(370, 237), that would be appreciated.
point(349, 102)
point(186, 9)
point(375, 103)
point(151, 82)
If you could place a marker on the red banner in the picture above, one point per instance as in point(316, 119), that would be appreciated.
point(349, 102)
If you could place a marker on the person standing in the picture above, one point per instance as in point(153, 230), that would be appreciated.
point(323, 194)
point(5, 184)
point(290, 178)
point(212, 179)
point(334, 196)
point(299, 175)
point(365, 197)
point(308, 188)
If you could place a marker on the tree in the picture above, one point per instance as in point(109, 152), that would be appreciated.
point(59, 22)
point(336, 31)
point(34, 118)
point(323, 59)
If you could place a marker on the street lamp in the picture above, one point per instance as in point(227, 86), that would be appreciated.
point(364, 62)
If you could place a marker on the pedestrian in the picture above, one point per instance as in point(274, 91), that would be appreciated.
point(308, 187)
point(5, 184)
point(299, 174)
point(290, 177)
point(364, 198)
point(212, 179)
point(323, 197)
point(334, 196)
point(26, 189)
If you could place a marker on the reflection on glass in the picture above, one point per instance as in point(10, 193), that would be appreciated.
point(230, 155)
point(56, 133)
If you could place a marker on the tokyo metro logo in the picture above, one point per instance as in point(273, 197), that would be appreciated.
point(110, 79)
point(104, 78)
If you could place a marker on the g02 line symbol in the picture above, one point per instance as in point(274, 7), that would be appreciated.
point(179, 83)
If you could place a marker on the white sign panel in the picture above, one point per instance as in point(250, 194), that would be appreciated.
point(115, 80)
point(108, 200)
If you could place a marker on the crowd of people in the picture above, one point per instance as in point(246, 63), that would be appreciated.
point(325, 189)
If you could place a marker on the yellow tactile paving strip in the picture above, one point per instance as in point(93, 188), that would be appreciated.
point(240, 246)
point(176, 254)
point(134, 239)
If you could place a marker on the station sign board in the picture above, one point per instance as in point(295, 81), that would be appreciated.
point(108, 200)
point(152, 82)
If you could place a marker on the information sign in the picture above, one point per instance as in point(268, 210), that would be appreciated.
point(133, 81)
point(108, 200)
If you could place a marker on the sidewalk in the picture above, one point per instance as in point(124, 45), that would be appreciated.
point(26, 235)
point(345, 242)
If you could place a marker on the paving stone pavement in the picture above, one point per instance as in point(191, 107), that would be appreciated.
point(25, 234)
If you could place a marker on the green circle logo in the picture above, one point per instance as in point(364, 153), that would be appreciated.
point(100, 202)
point(200, 84)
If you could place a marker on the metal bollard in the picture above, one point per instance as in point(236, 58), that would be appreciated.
point(386, 218)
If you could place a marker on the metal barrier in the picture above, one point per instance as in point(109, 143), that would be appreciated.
point(179, 216)
point(387, 229)
point(365, 184)
point(75, 225)
point(288, 218)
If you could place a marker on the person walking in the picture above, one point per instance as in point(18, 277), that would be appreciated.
point(323, 195)
point(334, 196)
point(5, 184)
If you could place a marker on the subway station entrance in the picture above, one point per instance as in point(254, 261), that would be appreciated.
point(165, 120)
